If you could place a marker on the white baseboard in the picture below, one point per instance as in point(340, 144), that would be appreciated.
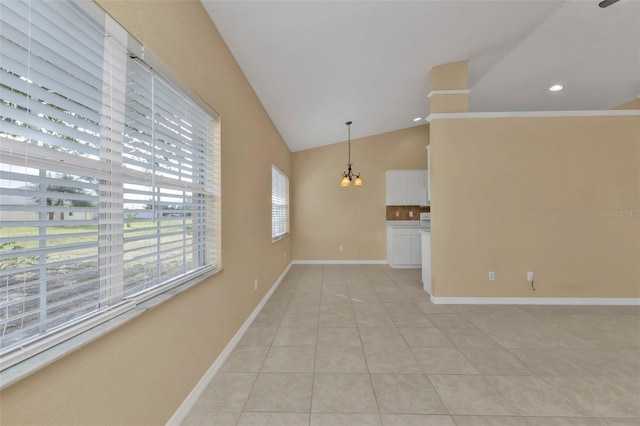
point(535, 301)
point(406, 266)
point(186, 406)
point(339, 262)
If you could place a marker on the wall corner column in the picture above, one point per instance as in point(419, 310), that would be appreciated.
point(449, 87)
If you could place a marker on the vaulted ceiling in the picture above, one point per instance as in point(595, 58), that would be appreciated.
point(317, 64)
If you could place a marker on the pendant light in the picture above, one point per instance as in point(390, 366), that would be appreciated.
point(348, 175)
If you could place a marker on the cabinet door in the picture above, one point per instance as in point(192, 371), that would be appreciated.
point(396, 188)
point(416, 249)
point(424, 195)
point(416, 187)
point(401, 249)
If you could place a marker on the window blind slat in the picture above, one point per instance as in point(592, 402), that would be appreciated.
point(109, 175)
point(63, 136)
point(89, 129)
point(53, 49)
point(90, 126)
point(44, 74)
point(53, 17)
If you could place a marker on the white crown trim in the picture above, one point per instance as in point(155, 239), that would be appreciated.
point(531, 114)
point(447, 92)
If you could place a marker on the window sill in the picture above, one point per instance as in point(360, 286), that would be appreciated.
point(19, 371)
point(279, 237)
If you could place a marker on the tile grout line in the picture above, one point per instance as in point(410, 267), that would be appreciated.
point(315, 354)
point(242, 411)
point(364, 355)
point(474, 317)
point(422, 369)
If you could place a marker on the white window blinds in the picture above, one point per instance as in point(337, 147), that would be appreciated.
point(109, 175)
point(279, 204)
point(168, 179)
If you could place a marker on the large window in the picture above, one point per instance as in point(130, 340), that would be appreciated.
point(279, 204)
point(108, 174)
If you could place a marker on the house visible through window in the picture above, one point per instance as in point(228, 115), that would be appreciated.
point(108, 173)
point(279, 204)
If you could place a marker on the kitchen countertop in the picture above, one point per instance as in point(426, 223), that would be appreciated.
point(415, 223)
point(407, 224)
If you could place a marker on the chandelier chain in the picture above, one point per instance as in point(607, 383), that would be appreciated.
point(349, 127)
point(348, 175)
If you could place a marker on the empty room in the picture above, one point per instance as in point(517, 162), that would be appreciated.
point(320, 213)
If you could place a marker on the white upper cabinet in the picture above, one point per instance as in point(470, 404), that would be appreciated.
point(396, 188)
point(407, 187)
point(416, 187)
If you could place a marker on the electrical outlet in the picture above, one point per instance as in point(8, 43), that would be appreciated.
point(492, 276)
point(397, 213)
point(285, 255)
point(255, 284)
point(529, 276)
point(340, 248)
point(410, 214)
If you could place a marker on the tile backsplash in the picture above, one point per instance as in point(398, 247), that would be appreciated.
point(402, 212)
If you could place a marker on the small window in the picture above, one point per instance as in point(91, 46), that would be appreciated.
point(279, 204)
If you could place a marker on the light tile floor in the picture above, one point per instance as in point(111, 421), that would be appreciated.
point(362, 345)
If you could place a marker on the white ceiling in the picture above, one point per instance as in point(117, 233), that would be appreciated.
point(317, 64)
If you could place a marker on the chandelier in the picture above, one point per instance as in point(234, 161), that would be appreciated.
point(348, 175)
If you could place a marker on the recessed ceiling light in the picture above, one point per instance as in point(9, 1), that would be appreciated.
point(556, 88)
point(607, 3)
point(417, 119)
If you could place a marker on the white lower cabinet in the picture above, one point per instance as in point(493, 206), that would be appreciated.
point(401, 249)
point(404, 247)
point(416, 249)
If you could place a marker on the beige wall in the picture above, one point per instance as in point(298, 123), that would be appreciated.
point(445, 77)
point(536, 194)
point(325, 216)
point(633, 104)
point(139, 374)
point(451, 76)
